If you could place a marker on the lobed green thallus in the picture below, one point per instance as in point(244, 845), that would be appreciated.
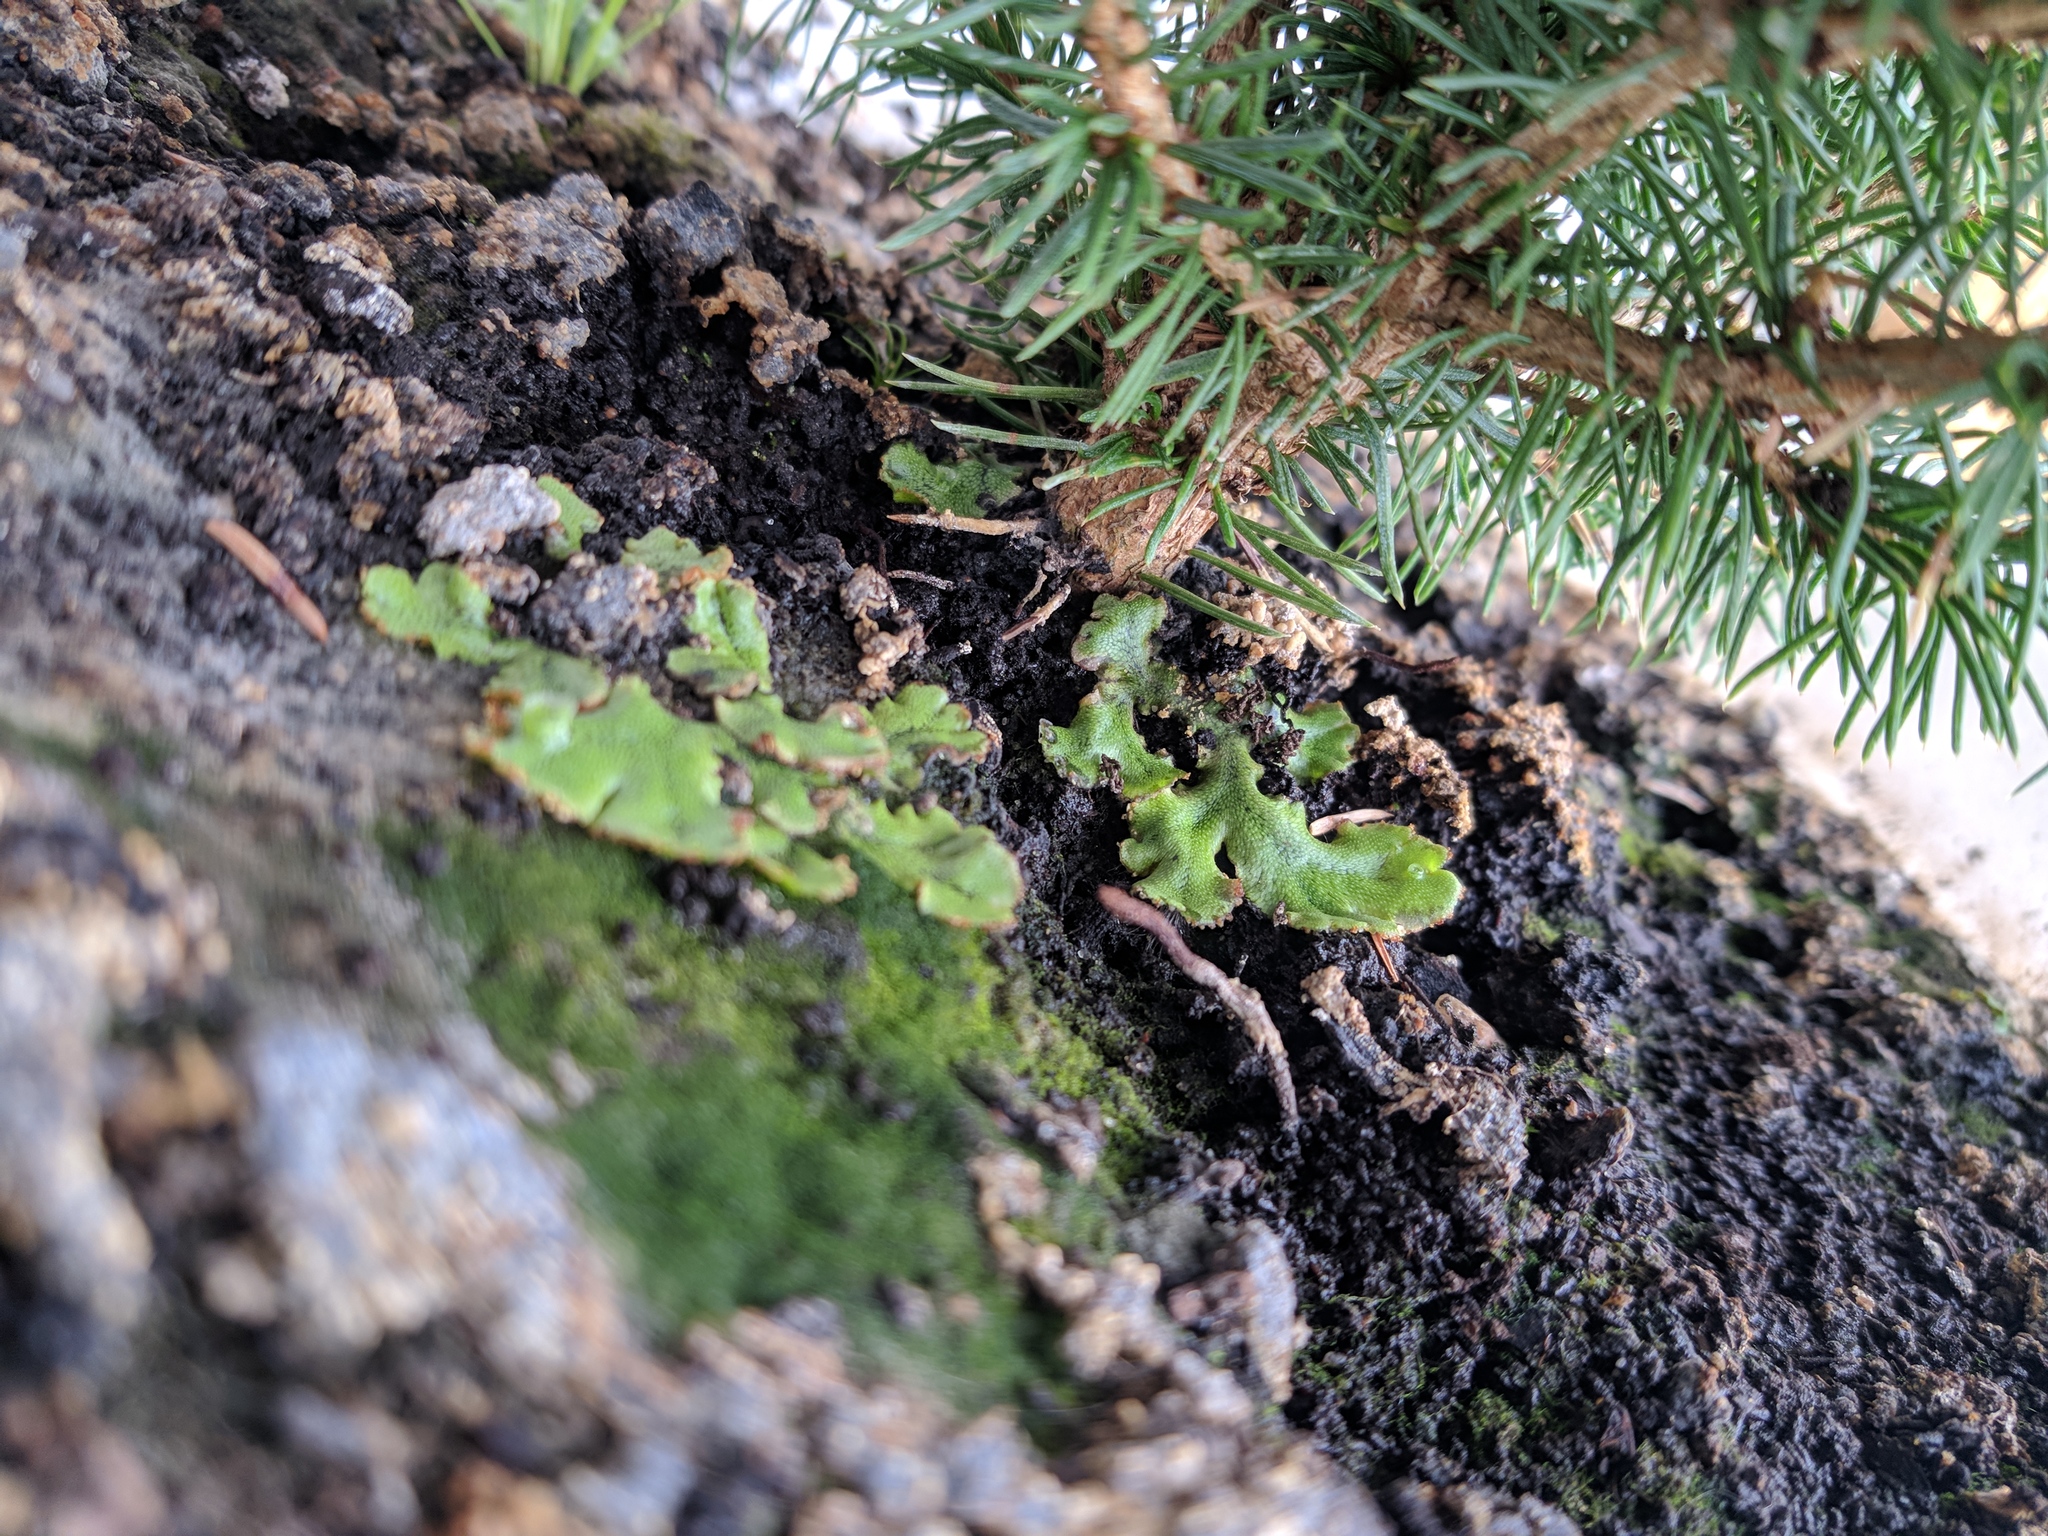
point(1380, 878)
point(965, 489)
point(788, 798)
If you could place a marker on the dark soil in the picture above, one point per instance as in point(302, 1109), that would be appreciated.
point(1772, 1264)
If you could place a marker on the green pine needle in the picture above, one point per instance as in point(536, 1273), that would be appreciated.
point(1777, 216)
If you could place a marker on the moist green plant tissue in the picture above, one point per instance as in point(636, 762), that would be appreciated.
point(790, 799)
point(962, 489)
point(771, 1119)
point(1732, 310)
point(1381, 878)
point(920, 723)
point(728, 649)
point(578, 521)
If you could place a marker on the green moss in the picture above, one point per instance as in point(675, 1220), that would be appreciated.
point(1494, 1423)
point(1579, 1496)
point(1676, 862)
point(643, 151)
point(1754, 810)
point(1882, 1154)
point(1927, 962)
point(1980, 1124)
point(1684, 1502)
point(1546, 929)
point(1634, 845)
point(1771, 902)
point(739, 1158)
point(1678, 870)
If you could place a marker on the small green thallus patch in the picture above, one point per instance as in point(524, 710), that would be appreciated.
point(960, 489)
point(791, 799)
point(1379, 878)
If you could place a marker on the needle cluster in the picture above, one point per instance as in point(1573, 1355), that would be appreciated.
point(1729, 308)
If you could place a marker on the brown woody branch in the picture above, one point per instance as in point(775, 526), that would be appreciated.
point(1843, 39)
point(1689, 50)
point(1861, 378)
point(1122, 46)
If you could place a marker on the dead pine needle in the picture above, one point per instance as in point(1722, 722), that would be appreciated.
point(1038, 615)
point(1379, 947)
point(953, 523)
point(1239, 1000)
point(1330, 823)
point(256, 558)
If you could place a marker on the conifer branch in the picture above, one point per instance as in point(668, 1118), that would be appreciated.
point(1131, 88)
point(1843, 35)
point(1689, 49)
point(1692, 48)
point(1627, 286)
point(1854, 378)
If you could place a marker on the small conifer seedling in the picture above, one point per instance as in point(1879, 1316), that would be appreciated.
point(1734, 309)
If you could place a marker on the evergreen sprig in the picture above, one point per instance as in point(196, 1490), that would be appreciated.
point(1721, 307)
point(566, 43)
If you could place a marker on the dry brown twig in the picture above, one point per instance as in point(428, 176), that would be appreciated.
point(1040, 614)
point(1120, 45)
point(1239, 1000)
point(952, 522)
point(1688, 50)
point(255, 557)
point(1844, 38)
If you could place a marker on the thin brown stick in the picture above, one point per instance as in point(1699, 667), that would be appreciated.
point(1691, 48)
point(1386, 956)
point(1037, 586)
point(1688, 50)
point(1843, 38)
point(1038, 615)
point(256, 558)
point(1239, 1000)
point(953, 523)
point(1861, 378)
point(1336, 819)
point(1121, 46)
